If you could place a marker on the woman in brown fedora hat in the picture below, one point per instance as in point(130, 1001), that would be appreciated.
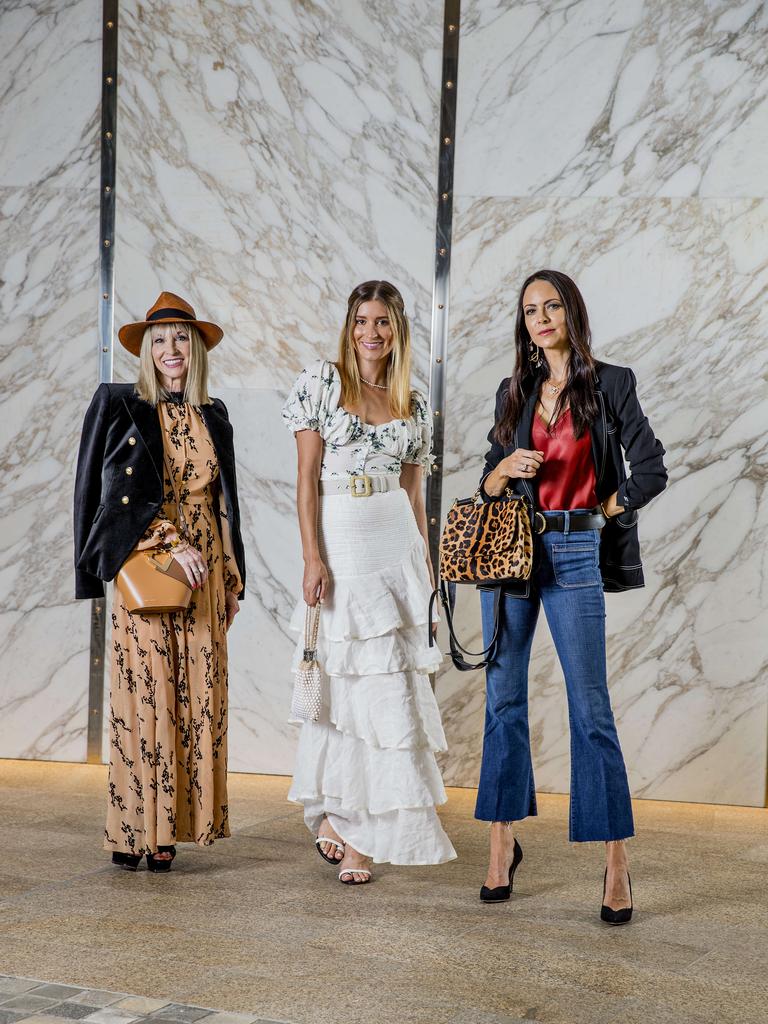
point(156, 474)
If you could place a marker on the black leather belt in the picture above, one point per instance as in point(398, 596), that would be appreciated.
point(576, 521)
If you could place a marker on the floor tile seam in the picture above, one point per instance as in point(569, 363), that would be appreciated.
point(567, 944)
point(61, 884)
point(52, 886)
point(651, 974)
point(291, 814)
point(684, 972)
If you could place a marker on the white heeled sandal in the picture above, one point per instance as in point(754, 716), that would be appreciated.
point(354, 871)
point(333, 842)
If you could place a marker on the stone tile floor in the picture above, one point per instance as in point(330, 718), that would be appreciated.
point(259, 926)
point(26, 1001)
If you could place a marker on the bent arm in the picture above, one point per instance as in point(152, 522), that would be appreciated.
point(163, 535)
point(645, 453)
point(310, 452)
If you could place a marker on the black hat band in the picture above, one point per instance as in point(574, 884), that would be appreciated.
point(166, 314)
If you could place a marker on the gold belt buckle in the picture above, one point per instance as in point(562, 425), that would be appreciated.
point(539, 522)
point(367, 490)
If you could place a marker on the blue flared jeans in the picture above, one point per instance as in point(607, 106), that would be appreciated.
point(566, 580)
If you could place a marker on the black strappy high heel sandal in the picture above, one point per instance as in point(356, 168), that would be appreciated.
point(611, 916)
point(126, 861)
point(503, 892)
point(161, 865)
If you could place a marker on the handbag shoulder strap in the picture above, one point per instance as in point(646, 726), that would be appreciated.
point(447, 593)
point(176, 495)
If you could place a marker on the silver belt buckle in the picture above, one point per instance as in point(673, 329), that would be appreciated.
point(539, 522)
point(367, 486)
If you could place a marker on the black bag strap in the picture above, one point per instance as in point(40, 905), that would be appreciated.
point(447, 594)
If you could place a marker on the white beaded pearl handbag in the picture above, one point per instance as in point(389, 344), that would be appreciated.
point(307, 688)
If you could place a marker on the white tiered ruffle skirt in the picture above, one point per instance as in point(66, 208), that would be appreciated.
point(369, 763)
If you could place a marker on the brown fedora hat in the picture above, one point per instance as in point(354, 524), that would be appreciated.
point(168, 309)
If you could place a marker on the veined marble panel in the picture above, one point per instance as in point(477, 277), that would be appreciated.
point(260, 646)
point(49, 210)
point(613, 98)
point(50, 54)
point(271, 157)
point(675, 289)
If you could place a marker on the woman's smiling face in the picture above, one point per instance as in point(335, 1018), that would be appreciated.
point(372, 331)
point(170, 354)
point(544, 314)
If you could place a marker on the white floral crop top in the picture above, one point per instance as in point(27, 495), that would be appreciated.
point(352, 446)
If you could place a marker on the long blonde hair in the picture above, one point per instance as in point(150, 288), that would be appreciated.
point(149, 386)
point(399, 362)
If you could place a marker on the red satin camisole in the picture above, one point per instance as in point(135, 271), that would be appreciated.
point(566, 479)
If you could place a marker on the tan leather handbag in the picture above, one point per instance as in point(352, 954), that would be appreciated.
point(152, 581)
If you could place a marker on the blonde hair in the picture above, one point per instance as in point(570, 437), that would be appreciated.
point(149, 386)
point(399, 362)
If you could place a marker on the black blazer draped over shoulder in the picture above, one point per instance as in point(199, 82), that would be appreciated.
point(121, 457)
point(620, 425)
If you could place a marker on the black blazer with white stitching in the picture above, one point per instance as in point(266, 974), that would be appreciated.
point(621, 428)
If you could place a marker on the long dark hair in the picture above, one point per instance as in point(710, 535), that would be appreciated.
point(527, 377)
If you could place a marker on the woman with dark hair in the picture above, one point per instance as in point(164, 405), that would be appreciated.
point(366, 770)
point(156, 474)
point(561, 422)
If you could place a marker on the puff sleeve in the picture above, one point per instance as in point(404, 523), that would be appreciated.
point(312, 399)
point(419, 450)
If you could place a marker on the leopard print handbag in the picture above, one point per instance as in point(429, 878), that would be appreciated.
point(486, 542)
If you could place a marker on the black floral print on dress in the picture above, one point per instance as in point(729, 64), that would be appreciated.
point(168, 696)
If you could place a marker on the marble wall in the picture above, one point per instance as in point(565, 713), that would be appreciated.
point(646, 182)
point(272, 156)
point(50, 53)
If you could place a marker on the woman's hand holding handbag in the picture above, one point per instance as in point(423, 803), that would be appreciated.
point(307, 698)
point(483, 542)
point(152, 581)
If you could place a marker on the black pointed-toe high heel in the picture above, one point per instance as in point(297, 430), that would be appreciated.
point(503, 892)
point(161, 865)
point(611, 916)
point(126, 861)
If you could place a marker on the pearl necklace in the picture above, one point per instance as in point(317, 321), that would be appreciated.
point(382, 387)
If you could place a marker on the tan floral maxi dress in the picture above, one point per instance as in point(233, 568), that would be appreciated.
point(168, 699)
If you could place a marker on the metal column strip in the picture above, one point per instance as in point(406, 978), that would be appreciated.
point(106, 326)
point(441, 287)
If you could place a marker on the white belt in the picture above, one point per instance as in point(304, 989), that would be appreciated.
point(360, 485)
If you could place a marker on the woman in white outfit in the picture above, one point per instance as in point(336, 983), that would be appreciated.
point(366, 771)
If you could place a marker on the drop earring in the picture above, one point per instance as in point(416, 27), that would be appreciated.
point(533, 354)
